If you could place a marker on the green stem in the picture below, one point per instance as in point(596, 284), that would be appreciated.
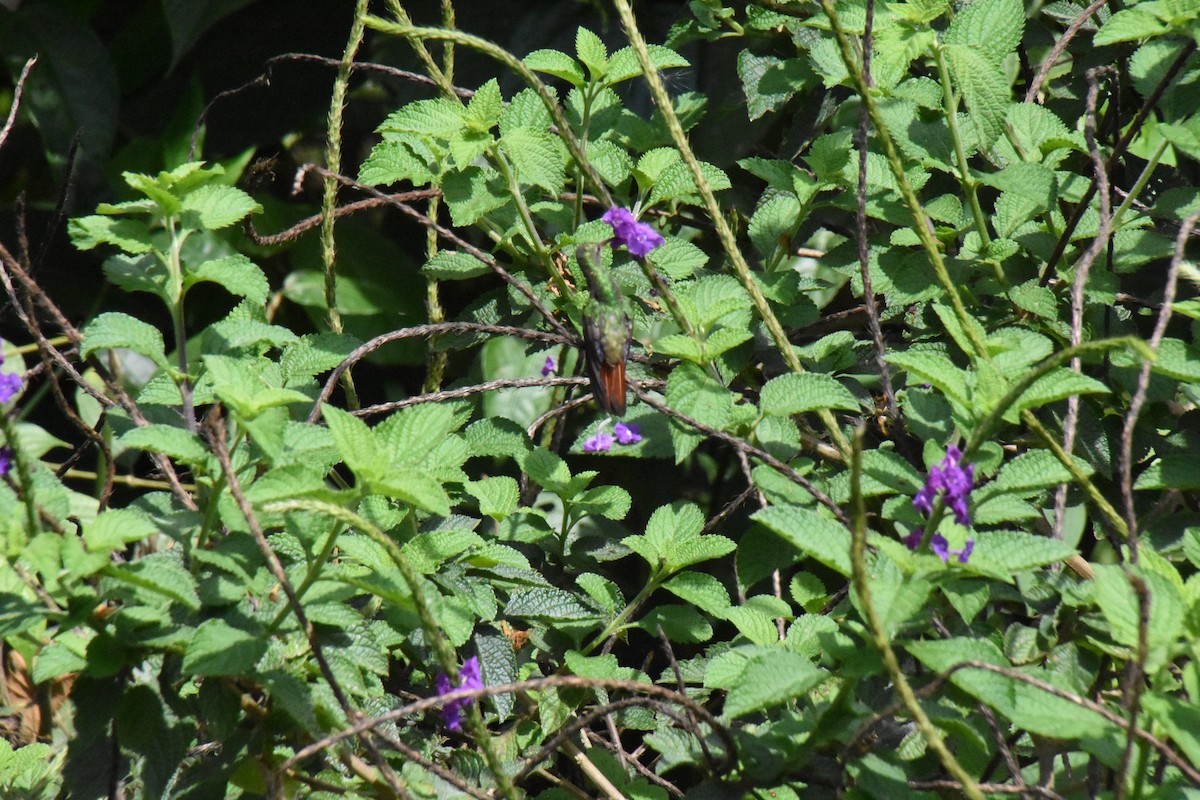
point(663, 101)
point(313, 574)
point(333, 162)
point(969, 184)
point(920, 224)
point(618, 621)
point(861, 581)
point(1142, 179)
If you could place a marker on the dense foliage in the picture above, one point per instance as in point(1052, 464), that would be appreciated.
point(896, 495)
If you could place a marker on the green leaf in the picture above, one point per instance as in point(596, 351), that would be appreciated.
point(1128, 25)
point(769, 82)
point(990, 27)
point(933, 368)
point(560, 65)
point(497, 495)
point(115, 528)
point(1179, 718)
point(1058, 384)
point(812, 534)
point(1009, 552)
point(238, 274)
point(130, 235)
point(1113, 592)
point(1027, 706)
point(695, 393)
point(355, 442)
point(753, 623)
point(776, 217)
point(624, 63)
point(985, 89)
point(700, 590)
point(472, 193)
point(113, 330)
point(767, 678)
point(483, 110)
point(394, 161)
point(175, 443)
point(248, 387)
point(797, 393)
point(552, 605)
point(1032, 471)
point(675, 183)
point(1171, 472)
point(161, 574)
point(592, 53)
point(451, 265)
point(539, 158)
point(218, 648)
point(218, 206)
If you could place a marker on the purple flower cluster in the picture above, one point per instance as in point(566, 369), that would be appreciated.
point(549, 367)
point(602, 440)
point(638, 237)
point(10, 384)
point(950, 478)
point(468, 678)
point(955, 482)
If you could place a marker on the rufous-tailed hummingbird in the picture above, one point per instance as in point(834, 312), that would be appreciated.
point(607, 331)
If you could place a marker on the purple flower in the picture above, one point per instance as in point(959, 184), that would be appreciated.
point(468, 678)
point(638, 237)
point(599, 442)
point(6, 460)
point(549, 367)
point(965, 553)
point(913, 540)
point(627, 434)
point(955, 482)
point(10, 384)
point(939, 546)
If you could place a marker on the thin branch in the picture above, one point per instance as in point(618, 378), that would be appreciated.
point(1056, 52)
point(16, 101)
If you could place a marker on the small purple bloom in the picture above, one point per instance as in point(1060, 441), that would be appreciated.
point(10, 384)
point(965, 553)
point(549, 367)
point(6, 460)
point(600, 442)
point(627, 434)
point(913, 540)
point(468, 678)
point(638, 237)
point(950, 478)
point(939, 546)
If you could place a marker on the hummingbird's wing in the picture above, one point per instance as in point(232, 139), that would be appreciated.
point(607, 374)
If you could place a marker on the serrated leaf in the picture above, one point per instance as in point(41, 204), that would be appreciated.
point(985, 89)
point(238, 274)
point(592, 52)
point(992, 27)
point(553, 605)
point(678, 259)
point(218, 648)
point(775, 217)
point(695, 393)
point(1034, 470)
point(355, 442)
point(218, 206)
point(933, 368)
point(560, 65)
point(1014, 551)
point(1028, 706)
point(1058, 384)
point(247, 387)
point(497, 495)
point(394, 161)
point(770, 678)
point(675, 183)
point(701, 590)
point(130, 235)
point(1128, 25)
point(624, 64)
point(538, 157)
point(812, 534)
point(175, 443)
point(114, 330)
point(797, 393)
point(769, 82)
point(160, 574)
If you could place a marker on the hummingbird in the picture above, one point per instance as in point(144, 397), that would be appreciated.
point(607, 331)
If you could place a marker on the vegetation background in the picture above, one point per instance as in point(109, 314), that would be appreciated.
point(905, 502)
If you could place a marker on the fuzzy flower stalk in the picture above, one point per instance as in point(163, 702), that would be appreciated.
point(954, 482)
point(468, 678)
